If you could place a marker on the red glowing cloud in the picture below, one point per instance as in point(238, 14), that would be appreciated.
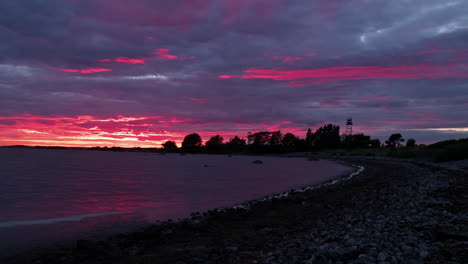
point(88, 131)
point(164, 54)
point(124, 60)
point(290, 59)
point(123, 131)
point(83, 71)
point(338, 74)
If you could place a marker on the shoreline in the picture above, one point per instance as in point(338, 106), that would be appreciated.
point(310, 225)
point(340, 178)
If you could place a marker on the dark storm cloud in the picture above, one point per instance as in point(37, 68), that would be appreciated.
point(382, 60)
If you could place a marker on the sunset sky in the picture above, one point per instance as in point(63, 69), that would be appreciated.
point(137, 73)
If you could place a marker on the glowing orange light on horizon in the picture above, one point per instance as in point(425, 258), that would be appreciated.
point(121, 131)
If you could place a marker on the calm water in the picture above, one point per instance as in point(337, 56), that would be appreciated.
point(54, 196)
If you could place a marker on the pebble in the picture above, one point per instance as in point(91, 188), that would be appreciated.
point(381, 256)
point(350, 242)
point(231, 249)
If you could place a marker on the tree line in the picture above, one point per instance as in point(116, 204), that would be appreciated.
point(325, 137)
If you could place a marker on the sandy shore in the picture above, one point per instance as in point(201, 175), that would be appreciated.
point(392, 212)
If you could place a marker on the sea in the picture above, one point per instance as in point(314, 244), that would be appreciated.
point(52, 197)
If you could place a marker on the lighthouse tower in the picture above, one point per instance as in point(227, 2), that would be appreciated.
point(349, 126)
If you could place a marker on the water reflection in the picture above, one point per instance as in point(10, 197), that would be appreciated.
point(61, 195)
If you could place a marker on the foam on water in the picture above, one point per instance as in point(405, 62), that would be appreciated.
point(48, 221)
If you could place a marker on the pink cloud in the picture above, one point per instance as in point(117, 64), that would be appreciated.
point(90, 131)
point(124, 131)
point(164, 54)
point(290, 59)
point(83, 71)
point(193, 100)
point(124, 60)
point(197, 100)
point(338, 74)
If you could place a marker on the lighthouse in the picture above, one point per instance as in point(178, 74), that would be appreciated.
point(349, 126)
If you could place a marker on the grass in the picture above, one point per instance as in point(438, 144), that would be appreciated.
point(449, 150)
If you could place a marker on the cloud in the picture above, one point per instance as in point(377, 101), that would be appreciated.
point(84, 71)
point(339, 74)
point(164, 54)
point(125, 131)
point(231, 62)
point(124, 60)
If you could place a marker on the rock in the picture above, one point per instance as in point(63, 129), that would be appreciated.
point(167, 232)
point(312, 260)
point(85, 245)
point(231, 249)
point(351, 242)
point(320, 260)
point(381, 256)
point(132, 251)
point(423, 254)
point(407, 250)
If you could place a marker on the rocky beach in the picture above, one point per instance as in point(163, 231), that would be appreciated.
point(391, 212)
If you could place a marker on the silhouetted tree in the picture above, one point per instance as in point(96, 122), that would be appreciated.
point(236, 144)
point(192, 142)
point(169, 145)
point(237, 141)
point(327, 136)
point(290, 142)
point(375, 143)
point(309, 138)
point(394, 140)
point(215, 144)
point(261, 138)
point(411, 143)
point(357, 141)
point(276, 138)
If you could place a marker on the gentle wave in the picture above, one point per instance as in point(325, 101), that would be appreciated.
point(71, 218)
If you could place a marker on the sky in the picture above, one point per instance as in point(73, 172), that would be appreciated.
point(138, 73)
